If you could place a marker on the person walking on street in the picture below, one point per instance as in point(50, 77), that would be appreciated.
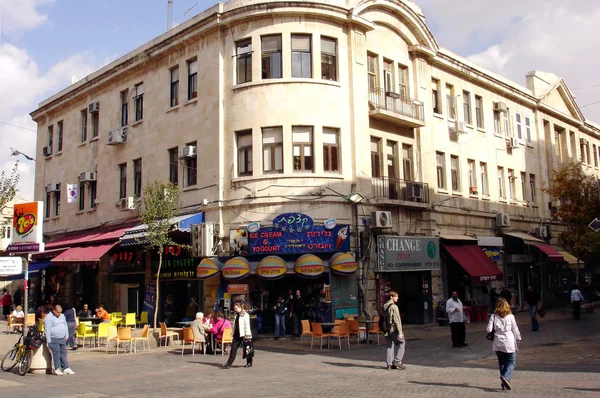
point(533, 300)
point(6, 302)
point(396, 344)
point(57, 333)
point(297, 312)
point(506, 336)
point(69, 314)
point(493, 297)
point(576, 301)
point(241, 332)
point(454, 308)
point(280, 317)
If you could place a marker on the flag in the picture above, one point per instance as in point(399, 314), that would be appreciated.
point(71, 193)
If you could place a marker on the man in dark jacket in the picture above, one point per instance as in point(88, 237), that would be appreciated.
point(533, 300)
point(297, 313)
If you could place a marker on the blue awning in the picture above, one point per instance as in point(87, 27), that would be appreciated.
point(137, 235)
point(33, 268)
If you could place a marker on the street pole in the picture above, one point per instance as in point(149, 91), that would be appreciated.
point(25, 295)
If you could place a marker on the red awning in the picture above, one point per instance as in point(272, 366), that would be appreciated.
point(88, 237)
point(475, 262)
point(552, 254)
point(83, 254)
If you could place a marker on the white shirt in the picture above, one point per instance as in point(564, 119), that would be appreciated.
point(455, 316)
point(18, 314)
point(506, 333)
point(576, 295)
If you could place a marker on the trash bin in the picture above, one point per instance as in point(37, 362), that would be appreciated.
point(41, 362)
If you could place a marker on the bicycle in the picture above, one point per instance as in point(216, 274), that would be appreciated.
point(20, 354)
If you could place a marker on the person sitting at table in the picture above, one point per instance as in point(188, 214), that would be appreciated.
point(219, 326)
point(199, 328)
point(102, 314)
point(209, 319)
point(18, 316)
point(85, 312)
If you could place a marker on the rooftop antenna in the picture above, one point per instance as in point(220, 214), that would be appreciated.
point(170, 15)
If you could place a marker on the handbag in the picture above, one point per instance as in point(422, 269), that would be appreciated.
point(248, 349)
point(490, 335)
point(541, 312)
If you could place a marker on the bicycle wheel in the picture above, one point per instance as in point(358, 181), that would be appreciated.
point(25, 363)
point(10, 359)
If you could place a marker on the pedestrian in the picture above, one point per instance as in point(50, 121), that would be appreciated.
point(241, 333)
point(280, 317)
point(57, 333)
point(506, 336)
point(70, 316)
point(394, 336)
point(534, 302)
point(506, 294)
point(493, 297)
point(576, 301)
point(456, 317)
point(297, 313)
point(6, 302)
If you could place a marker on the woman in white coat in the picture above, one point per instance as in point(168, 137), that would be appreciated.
point(241, 332)
point(506, 336)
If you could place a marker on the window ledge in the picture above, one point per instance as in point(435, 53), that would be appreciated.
point(46, 219)
point(137, 122)
point(485, 197)
point(530, 145)
point(92, 210)
point(192, 101)
point(58, 153)
point(442, 190)
point(438, 115)
point(284, 176)
point(457, 193)
point(514, 202)
point(469, 126)
point(95, 139)
point(79, 212)
point(290, 80)
point(190, 188)
point(82, 144)
point(503, 200)
point(534, 206)
point(481, 130)
point(48, 157)
point(56, 218)
point(498, 135)
point(173, 108)
point(473, 196)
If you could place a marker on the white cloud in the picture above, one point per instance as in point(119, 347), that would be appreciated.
point(18, 16)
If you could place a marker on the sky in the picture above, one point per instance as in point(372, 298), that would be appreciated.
point(45, 44)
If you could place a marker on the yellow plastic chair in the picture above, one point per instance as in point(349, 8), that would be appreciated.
point(30, 319)
point(116, 316)
point(129, 320)
point(88, 323)
point(144, 338)
point(143, 318)
point(124, 335)
point(113, 323)
point(112, 335)
point(102, 332)
point(84, 331)
point(41, 325)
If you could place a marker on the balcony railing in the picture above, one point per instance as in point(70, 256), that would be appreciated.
point(397, 104)
point(396, 189)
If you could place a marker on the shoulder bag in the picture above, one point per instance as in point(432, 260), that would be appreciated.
point(490, 335)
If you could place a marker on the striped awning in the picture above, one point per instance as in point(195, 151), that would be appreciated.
point(309, 266)
point(271, 267)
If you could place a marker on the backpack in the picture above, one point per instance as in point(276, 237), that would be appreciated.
point(34, 338)
point(384, 320)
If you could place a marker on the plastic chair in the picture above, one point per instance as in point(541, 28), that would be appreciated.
point(143, 318)
point(344, 331)
point(188, 337)
point(227, 338)
point(354, 328)
point(124, 335)
point(144, 338)
point(12, 324)
point(375, 329)
point(102, 332)
point(41, 325)
point(84, 331)
point(317, 331)
point(166, 334)
point(305, 330)
point(116, 316)
point(112, 335)
point(129, 320)
point(30, 320)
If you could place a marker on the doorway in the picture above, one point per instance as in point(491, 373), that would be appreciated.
point(414, 291)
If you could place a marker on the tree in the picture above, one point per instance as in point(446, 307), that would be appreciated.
point(160, 203)
point(8, 185)
point(577, 194)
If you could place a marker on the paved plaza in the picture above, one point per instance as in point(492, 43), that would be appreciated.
point(562, 360)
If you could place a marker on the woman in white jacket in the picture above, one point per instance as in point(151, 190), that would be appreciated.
point(506, 336)
point(241, 332)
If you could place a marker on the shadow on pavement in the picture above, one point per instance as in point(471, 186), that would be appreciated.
point(583, 389)
point(496, 390)
point(352, 365)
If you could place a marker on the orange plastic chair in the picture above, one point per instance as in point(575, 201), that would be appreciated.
point(166, 334)
point(354, 328)
point(344, 332)
point(226, 339)
point(375, 329)
point(124, 335)
point(144, 338)
point(305, 330)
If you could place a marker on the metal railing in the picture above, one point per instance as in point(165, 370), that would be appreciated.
point(396, 103)
point(396, 189)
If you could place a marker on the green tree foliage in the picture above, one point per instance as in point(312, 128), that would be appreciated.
point(8, 185)
point(160, 203)
point(577, 193)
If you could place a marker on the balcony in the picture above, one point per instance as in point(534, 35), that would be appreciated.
point(401, 192)
point(396, 108)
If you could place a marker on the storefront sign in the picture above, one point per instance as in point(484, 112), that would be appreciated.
point(309, 266)
point(177, 262)
point(343, 263)
point(494, 253)
point(253, 227)
point(519, 258)
point(271, 267)
point(208, 268)
point(236, 268)
point(408, 253)
point(238, 242)
point(27, 234)
point(11, 265)
point(296, 233)
point(126, 261)
point(237, 288)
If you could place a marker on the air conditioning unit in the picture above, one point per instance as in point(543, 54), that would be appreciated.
point(52, 187)
point(500, 107)
point(541, 232)
point(127, 203)
point(381, 219)
point(460, 126)
point(188, 152)
point(94, 107)
point(414, 192)
point(203, 239)
point(582, 141)
point(117, 136)
point(47, 150)
point(513, 142)
point(503, 220)
point(453, 135)
point(87, 176)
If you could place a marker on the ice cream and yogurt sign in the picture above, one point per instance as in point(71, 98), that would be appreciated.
point(297, 233)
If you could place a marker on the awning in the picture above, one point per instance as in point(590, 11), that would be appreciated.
point(458, 237)
point(136, 235)
point(34, 268)
point(526, 238)
point(271, 267)
point(553, 255)
point(475, 262)
point(87, 238)
point(236, 268)
point(343, 263)
point(570, 259)
point(83, 254)
point(309, 266)
point(138, 238)
point(208, 268)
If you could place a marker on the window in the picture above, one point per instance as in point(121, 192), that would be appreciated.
point(501, 189)
point(595, 156)
point(388, 77)
point(124, 108)
point(467, 107)
point(174, 166)
point(528, 128)
point(191, 167)
point(403, 80)
point(331, 160)
point(81, 194)
point(93, 190)
point(122, 181)
point(479, 111)
point(472, 176)
point(174, 87)
point(441, 169)
point(328, 59)
point(50, 136)
point(84, 125)
point(57, 202)
point(302, 137)
point(48, 205)
point(497, 128)
point(484, 178)
point(532, 187)
point(587, 153)
point(272, 146)
point(455, 173)
point(137, 178)
point(271, 57)
point(59, 142)
point(95, 124)
point(375, 157)
point(582, 150)
point(301, 56)
point(192, 79)
point(511, 184)
point(573, 148)
point(450, 101)
point(507, 130)
point(372, 71)
point(524, 186)
point(243, 52)
point(435, 96)
point(244, 150)
point(519, 126)
point(407, 162)
point(391, 158)
point(139, 102)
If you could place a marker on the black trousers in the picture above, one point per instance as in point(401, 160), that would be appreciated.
point(576, 309)
point(458, 332)
point(233, 352)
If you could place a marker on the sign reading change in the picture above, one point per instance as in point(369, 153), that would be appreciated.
point(408, 253)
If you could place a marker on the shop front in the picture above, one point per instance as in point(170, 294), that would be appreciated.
point(405, 264)
point(127, 273)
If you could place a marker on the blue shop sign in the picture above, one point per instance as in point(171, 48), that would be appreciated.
point(494, 253)
point(297, 233)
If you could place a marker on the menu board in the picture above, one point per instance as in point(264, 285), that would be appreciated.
point(149, 297)
point(344, 295)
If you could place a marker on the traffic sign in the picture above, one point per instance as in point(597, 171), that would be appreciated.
point(595, 224)
point(11, 265)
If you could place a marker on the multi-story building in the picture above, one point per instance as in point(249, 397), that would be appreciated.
point(257, 109)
